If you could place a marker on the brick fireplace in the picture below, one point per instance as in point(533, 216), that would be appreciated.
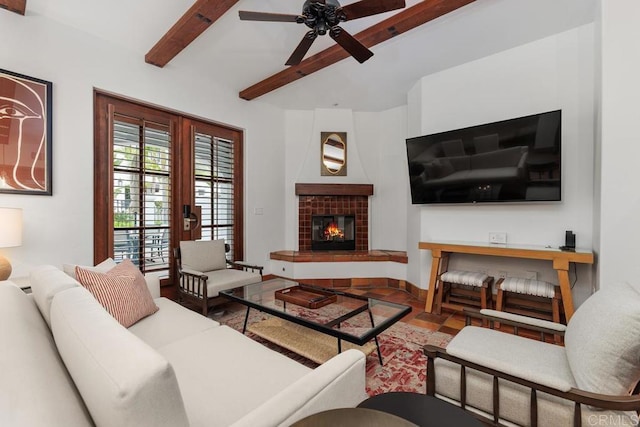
point(333, 199)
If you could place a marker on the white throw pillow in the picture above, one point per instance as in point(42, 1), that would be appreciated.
point(103, 267)
point(602, 341)
point(203, 255)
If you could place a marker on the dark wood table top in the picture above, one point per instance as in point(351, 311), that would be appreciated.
point(422, 410)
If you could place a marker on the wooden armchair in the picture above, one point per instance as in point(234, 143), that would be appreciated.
point(509, 379)
point(204, 271)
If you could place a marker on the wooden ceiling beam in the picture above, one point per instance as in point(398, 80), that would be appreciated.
point(17, 6)
point(194, 22)
point(399, 23)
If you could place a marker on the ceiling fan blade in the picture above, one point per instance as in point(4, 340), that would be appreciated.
point(302, 49)
point(370, 7)
point(350, 44)
point(263, 16)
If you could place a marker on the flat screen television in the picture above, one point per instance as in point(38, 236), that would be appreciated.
point(515, 160)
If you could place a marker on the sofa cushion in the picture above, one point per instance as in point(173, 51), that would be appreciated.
point(122, 291)
point(203, 255)
point(245, 367)
point(171, 323)
point(103, 267)
point(123, 381)
point(35, 389)
point(603, 341)
point(46, 281)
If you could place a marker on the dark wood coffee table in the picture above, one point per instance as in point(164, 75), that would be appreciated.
point(420, 409)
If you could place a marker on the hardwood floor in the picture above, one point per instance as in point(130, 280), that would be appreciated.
point(449, 322)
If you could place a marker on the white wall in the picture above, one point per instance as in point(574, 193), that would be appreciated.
point(620, 91)
point(302, 157)
point(59, 229)
point(553, 73)
point(375, 155)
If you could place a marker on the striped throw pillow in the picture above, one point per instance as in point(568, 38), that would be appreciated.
point(122, 291)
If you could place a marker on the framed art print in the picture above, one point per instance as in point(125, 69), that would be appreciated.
point(25, 134)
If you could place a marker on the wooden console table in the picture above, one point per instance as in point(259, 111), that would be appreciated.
point(440, 252)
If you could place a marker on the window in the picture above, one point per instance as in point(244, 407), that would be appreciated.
point(149, 163)
point(214, 187)
point(141, 192)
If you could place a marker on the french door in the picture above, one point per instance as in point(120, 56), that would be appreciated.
point(161, 177)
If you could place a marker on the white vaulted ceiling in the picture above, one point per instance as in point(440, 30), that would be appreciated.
point(239, 54)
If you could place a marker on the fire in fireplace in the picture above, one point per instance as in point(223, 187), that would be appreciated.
point(333, 232)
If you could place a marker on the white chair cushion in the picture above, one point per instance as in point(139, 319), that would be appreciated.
point(229, 278)
point(602, 341)
point(203, 255)
point(468, 278)
point(46, 281)
point(529, 359)
point(122, 380)
point(528, 287)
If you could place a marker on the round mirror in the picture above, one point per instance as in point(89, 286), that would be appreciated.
point(334, 153)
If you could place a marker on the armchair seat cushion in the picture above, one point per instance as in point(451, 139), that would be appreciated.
point(229, 278)
point(525, 358)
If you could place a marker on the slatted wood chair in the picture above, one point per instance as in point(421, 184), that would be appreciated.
point(505, 378)
point(204, 271)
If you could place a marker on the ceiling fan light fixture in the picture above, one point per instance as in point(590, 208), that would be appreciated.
point(322, 17)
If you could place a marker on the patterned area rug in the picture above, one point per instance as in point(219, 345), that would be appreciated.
point(401, 345)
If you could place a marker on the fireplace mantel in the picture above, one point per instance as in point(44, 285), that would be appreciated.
point(334, 189)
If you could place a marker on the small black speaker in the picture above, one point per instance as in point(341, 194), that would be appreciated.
point(570, 240)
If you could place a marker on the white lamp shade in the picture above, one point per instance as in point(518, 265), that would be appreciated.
point(10, 227)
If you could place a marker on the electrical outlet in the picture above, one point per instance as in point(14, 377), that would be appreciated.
point(502, 274)
point(533, 275)
point(498, 238)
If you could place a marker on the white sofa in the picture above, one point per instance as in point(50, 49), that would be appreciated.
point(66, 362)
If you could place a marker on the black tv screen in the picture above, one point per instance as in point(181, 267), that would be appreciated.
point(515, 160)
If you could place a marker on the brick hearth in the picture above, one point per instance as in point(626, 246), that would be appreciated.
point(333, 199)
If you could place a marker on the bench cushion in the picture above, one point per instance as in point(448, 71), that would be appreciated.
point(468, 278)
point(528, 287)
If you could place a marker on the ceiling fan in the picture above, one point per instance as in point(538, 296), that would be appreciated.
point(323, 16)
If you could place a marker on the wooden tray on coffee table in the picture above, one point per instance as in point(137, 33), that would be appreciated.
point(306, 297)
